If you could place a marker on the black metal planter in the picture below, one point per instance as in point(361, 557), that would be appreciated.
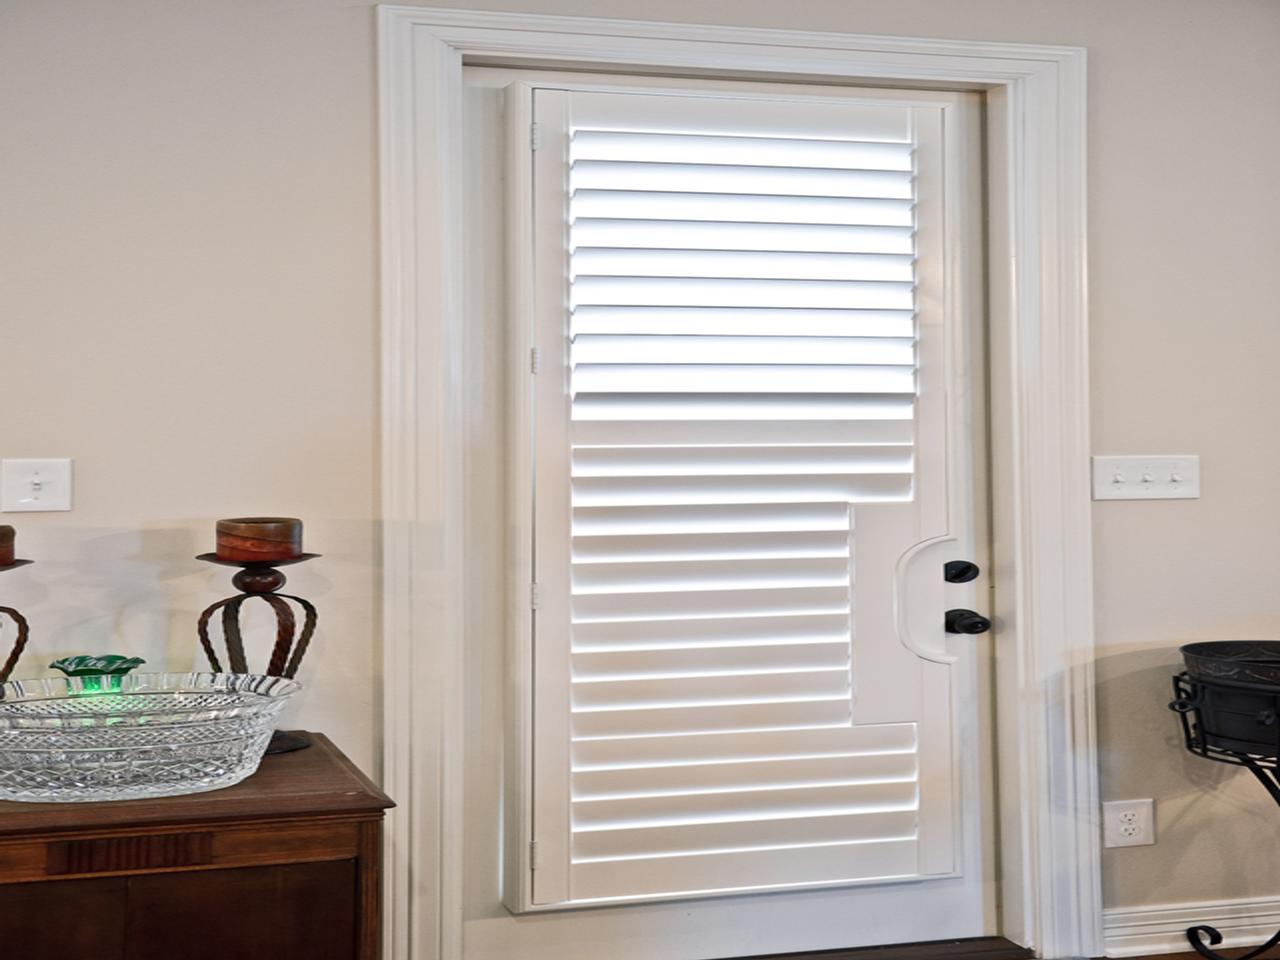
point(1228, 701)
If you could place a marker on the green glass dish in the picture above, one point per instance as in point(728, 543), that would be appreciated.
point(88, 665)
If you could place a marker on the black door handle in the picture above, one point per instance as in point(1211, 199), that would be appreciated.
point(960, 571)
point(966, 621)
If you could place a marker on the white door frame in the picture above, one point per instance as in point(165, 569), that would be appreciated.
point(1050, 858)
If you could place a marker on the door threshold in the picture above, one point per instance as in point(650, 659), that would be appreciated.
point(971, 948)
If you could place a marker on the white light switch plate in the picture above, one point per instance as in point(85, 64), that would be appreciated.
point(1146, 478)
point(31, 485)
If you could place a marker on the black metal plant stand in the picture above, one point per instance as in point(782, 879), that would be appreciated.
point(1233, 722)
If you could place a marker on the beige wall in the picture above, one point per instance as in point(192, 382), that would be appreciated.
point(187, 309)
point(189, 198)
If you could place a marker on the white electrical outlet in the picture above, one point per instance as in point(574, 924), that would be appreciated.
point(1128, 823)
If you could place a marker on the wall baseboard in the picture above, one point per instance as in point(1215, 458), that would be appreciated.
point(971, 948)
point(1141, 931)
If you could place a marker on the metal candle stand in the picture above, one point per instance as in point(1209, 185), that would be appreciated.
point(1222, 721)
point(24, 631)
point(261, 579)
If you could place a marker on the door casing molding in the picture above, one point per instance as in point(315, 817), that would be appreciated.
point(1050, 857)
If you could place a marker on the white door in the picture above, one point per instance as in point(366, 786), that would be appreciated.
point(756, 406)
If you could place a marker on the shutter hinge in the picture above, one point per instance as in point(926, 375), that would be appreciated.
point(535, 360)
point(535, 595)
point(535, 136)
point(533, 855)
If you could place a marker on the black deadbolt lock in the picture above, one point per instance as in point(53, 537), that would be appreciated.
point(960, 571)
point(966, 621)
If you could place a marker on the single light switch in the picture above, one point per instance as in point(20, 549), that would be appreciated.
point(1146, 478)
point(31, 485)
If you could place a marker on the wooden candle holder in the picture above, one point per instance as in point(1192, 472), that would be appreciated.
point(9, 562)
point(261, 579)
point(259, 539)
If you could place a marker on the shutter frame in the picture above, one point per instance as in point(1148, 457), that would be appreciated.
point(615, 509)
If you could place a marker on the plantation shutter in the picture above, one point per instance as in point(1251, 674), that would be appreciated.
point(728, 371)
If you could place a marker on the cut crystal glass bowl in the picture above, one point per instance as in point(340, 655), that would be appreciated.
point(128, 737)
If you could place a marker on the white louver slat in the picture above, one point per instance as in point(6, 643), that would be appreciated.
point(739, 336)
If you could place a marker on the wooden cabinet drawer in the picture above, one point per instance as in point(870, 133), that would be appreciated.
point(200, 847)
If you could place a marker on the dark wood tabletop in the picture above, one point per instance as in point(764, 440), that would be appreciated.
point(316, 781)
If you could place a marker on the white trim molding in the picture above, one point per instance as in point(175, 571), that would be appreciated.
point(1039, 381)
point(1162, 928)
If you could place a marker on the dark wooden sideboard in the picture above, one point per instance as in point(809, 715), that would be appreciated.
point(284, 866)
